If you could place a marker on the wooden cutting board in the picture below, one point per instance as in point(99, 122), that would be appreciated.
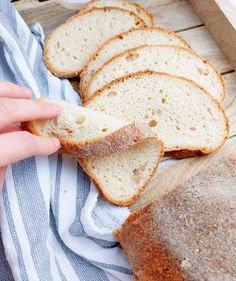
point(178, 16)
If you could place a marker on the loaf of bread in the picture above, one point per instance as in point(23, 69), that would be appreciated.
point(145, 15)
point(122, 42)
point(84, 133)
point(189, 233)
point(174, 60)
point(182, 114)
point(69, 47)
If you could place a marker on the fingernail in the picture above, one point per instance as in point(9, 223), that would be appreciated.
point(56, 142)
point(56, 108)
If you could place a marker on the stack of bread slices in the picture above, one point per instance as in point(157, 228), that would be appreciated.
point(145, 91)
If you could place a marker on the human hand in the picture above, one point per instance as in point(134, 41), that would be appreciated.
point(16, 106)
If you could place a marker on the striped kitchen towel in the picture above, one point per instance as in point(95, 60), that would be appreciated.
point(54, 226)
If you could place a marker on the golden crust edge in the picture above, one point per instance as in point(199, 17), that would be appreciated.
point(218, 75)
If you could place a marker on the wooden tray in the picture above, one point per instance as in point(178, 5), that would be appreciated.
point(178, 16)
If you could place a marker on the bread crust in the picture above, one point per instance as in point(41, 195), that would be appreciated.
point(115, 142)
point(180, 236)
point(160, 261)
point(66, 74)
point(150, 15)
point(178, 152)
point(117, 37)
point(219, 77)
point(102, 188)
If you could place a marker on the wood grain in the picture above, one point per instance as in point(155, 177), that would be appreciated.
point(219, 17)
point(176, 16)
point(230, 101)
point(202, 42)
point(154, 3)
point(38, 12)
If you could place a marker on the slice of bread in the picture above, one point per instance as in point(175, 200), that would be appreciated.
point(181, 113)
point(122, 177)
point(85, 133)
point(69, 46)
point(146, 16)
point(174, 60)
point(122, 42)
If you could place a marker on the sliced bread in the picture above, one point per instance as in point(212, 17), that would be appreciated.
point(122, 177)
point(181, 113)
point(174, 60)
point(146, 16)
point(85, 133)
point(122, 42)
point(69, 46)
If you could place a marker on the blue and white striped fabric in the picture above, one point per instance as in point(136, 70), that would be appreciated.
point(54, 226)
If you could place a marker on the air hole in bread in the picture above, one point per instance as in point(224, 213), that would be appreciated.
point(193, 129)
point(209, 110)
point(138, 173)
point(75, 57)
point(200, 70)
point(80, 119)
point(58, 45)
point(146, 116)
point(68, 131)
point(104, 129)
point(164, 100)
point(137, 23)
point(177, 128)
point(161, 91)
point(132, 57)
point(153, 123)
point(206, 72)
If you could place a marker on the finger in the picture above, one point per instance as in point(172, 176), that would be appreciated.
point(2, 176)
point(20, 145)
point(10, 90)
point(17, 110)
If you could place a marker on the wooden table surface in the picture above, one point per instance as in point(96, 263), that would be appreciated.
point(176, 15)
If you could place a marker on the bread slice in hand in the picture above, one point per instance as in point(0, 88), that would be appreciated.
point(69, 46)
point(134, 151)
point(174, 60)
point(145, 15)
point(181, 113)
point(122, 177)
point(85, 133)
point(122, 42)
